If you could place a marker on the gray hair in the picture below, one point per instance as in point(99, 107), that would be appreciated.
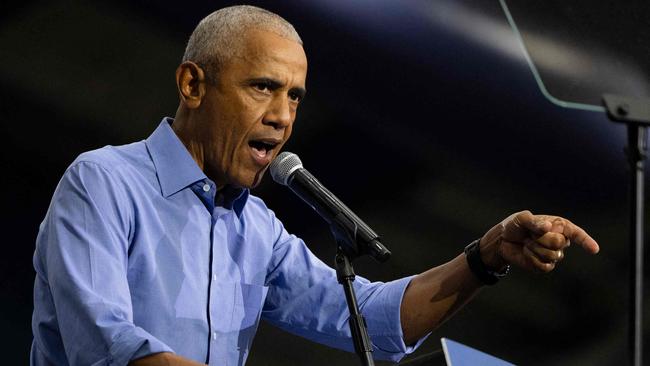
point(218, 36)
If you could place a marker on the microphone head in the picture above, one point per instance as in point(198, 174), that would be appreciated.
point(283, 166)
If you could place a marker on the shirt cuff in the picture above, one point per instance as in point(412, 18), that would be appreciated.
point(132, 344)
point(384, 324)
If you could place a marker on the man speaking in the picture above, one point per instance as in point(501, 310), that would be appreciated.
point(156, 253)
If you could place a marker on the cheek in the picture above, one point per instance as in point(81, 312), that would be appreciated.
point(287, 132)
point(249, 117)
point(249, 107)
point(240, 126)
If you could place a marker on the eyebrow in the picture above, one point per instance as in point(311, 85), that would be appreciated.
point(275, 84)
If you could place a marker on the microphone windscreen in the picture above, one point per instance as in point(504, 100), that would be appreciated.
point(283, 166)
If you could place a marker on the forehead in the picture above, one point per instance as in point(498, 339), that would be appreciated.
point(269, 55)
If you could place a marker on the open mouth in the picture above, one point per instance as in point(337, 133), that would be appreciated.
point(262, 148)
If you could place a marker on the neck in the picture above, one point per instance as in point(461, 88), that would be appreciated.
point(184, 127)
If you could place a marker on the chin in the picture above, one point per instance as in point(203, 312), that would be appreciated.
point(249, 181)
point(257, 179)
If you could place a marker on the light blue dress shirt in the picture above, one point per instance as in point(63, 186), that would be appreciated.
point(134, 257)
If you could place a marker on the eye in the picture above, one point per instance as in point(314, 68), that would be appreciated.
point(262, 87)
point(295, 97)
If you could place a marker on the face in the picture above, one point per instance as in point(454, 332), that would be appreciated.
point(248, 115)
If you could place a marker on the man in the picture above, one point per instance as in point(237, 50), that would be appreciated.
point(155, 253)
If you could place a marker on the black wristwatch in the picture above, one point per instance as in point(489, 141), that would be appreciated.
point(476, 265)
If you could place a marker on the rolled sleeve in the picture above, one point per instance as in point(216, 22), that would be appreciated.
point(82, 297)
point(382, 314)
point(306, 299)
point(132, 344)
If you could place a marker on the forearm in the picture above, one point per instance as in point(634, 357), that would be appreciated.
point(434, 296)
point(164, 359)
point(531, 242)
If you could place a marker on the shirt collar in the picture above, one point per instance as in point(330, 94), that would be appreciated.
point(239, 196)
point(174, 165)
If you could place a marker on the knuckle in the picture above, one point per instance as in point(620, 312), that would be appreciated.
point(558, 241)
point(552, 240)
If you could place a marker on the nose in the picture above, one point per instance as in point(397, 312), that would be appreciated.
point(280, 114)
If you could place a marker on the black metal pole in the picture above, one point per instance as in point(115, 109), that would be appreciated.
point(635, 113)
point(345, 275)
point(636, 151)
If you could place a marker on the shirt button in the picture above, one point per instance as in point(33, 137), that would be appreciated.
point(206, 187)
point(214, 277)
point(214, 335)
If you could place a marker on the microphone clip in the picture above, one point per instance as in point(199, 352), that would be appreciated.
point(345, 232)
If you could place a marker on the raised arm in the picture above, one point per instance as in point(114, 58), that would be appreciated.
point(532, 242)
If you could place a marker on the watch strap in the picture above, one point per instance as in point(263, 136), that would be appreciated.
point(478, 268)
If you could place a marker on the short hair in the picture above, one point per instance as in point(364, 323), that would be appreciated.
point(218, 36)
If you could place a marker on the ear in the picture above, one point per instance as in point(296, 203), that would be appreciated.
point(190, 81)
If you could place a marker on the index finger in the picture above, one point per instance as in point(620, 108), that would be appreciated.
point(577, 235)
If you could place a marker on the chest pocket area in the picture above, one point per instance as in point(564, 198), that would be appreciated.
point(249, 300)
point(248, 304)
point(240, 306)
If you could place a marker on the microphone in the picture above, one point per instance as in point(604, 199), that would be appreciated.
point(347, 227)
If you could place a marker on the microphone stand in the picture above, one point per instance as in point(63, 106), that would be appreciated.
point(635, 114)
point(345, 253)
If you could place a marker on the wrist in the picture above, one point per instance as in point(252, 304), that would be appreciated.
point(480, 270)
point(490, 249)
point(490, 256)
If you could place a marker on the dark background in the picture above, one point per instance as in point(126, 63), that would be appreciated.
point(423, 116)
